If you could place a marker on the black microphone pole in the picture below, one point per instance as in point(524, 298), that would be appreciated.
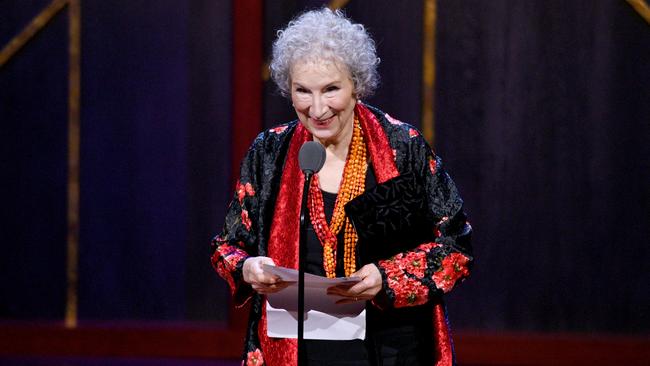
point(311, 158)
point(301, 270)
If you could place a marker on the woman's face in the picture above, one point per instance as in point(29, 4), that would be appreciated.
point(322, 93)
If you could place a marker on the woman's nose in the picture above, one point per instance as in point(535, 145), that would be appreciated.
point(319, 108)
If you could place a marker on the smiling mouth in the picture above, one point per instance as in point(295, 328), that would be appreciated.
point(323, 121)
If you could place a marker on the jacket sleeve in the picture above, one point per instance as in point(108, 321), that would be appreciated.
point(238, 239)
point(431, 269)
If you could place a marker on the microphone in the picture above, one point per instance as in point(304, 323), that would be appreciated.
point(311, 157)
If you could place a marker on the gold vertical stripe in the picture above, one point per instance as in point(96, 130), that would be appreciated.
point(641, 7)
point(337, 4)
point(74, 92)
point(30, 30)
point(428, 69)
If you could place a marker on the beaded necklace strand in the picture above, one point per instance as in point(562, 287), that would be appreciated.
point(352, 185)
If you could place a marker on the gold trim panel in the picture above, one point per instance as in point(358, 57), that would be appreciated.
point(74, 121)
point(641, 7)
point(337, 4)
point(74, 93)
point(429, 69)
point(38, 23)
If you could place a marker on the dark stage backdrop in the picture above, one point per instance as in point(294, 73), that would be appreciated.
point(33, 126)
point(544, 121)
point(541, 117)
point(155, 159)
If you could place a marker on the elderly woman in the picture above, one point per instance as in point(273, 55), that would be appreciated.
point(325, 63)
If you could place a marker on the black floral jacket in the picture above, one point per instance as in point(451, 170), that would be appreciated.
point(411, 278)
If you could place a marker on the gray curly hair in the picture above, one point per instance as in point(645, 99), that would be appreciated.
point(326, 34)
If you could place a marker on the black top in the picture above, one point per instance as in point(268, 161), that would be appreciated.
point(325, 352)
point(315, 248)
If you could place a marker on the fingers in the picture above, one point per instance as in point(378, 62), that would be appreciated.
point(264, 260)
point(365, 289)
point(355, 290)
point(348, 300)
point(269, 289)
point(254, 273)
point(363, 286)
point(366, 294)
point(349, 297)
point(260, 280)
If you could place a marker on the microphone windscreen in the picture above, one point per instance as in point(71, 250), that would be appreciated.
point(311, 157)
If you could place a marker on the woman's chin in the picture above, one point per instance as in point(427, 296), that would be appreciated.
point(321, 132)
point(322, 136)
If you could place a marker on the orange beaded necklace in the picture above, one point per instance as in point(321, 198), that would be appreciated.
point(352, 185)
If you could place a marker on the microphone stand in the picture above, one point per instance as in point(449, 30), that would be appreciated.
point(302, 250)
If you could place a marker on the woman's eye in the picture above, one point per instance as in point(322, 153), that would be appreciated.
point(301, 90)
point(331, 88)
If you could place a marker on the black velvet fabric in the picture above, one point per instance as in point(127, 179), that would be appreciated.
point(390, 218)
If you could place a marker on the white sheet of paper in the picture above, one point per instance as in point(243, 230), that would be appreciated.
point(324, 319)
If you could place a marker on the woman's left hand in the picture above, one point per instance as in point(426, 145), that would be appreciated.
point(366, 289)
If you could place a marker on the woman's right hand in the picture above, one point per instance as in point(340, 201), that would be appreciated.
point(260, 281)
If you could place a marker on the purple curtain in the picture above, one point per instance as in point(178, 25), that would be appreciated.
point(543, 120)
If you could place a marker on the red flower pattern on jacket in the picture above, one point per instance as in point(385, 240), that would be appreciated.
point(245, 219)
point(432, 165)
point(279, 129)
point(254, 358)
point(413, 133)
point(452, 269)
point(225, 260)
point(437, 229)
point(249, 189)
point(408, 291)
point(426, 247)
point(244, 190)
point(412, 262)
point(405, 271)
